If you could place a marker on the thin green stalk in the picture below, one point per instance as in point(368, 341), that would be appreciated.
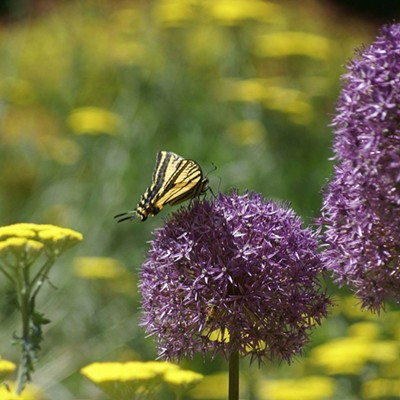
point(24, 293)
point(234, 376)
point(9, 276)
point(44, 270)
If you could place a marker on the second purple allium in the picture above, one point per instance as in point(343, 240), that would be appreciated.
point(361, 209)
point(240, 266)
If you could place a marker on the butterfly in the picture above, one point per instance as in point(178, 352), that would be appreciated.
point(174, 180)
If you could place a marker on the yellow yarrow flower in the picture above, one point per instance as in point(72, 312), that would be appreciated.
point(181, 377)
point(233, 12)
point(24, 250)
point(16, 230)
point(308, 388)
point(255, 346)
point(161, 367)
point(293, 102)
point(45, 233)
point(122, 381)
point(20, 246)
point(31, 392)
point(117, 371)
point(110, 272)
point(222, 335)
point(342, 356)
point(284, 44)
point(367, 330)
point(289, 101)
point(93, 121)
point(6, 368)
point(125, 380)
point(99, 268)
point(349, 355)
point(180, 381)
point(59, 239)
point(251, 90)
point(384, 351)
point(217, 335)
point(173, 13)
point(15, 244)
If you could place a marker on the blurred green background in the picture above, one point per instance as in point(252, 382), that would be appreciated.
point(91, 90)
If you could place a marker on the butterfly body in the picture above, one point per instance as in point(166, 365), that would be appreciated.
point(174, 180)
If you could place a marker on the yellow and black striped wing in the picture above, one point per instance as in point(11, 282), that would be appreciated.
point(174, 180)
point(167, 164)
point(185, 183)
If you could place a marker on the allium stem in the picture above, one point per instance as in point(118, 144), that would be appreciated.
point(234, 375)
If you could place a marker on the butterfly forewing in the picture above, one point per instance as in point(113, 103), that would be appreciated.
point(174, 180)
point(166, 165)
point(187, 182)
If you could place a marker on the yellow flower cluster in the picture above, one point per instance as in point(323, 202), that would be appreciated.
point(173, 13)
point(21, 248)
point(292, 102)
point(27, 240)
point(131, 380)
point(93, 120)
point(31, 392)
point(6, 368)
point(109, 272)
point(308, 388)
point(363, 347)
point(99, 268)
point(284, 44)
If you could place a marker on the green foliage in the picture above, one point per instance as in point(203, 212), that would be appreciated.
point(21, 246)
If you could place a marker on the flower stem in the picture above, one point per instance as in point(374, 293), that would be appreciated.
point(24, 293)
point(234, 376)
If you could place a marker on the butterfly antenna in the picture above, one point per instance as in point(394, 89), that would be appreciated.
point(209, 172)
point(214, 169)
point(212, 192)
point(126, 215)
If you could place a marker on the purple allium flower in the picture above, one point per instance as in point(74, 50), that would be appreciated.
point(361, 208)
point(240, 266)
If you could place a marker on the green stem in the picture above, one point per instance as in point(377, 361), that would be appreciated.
point(42, 274)
point(9, 276)
point(234, 376)
point(24, 293)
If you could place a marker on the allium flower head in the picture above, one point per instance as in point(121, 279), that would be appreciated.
point(361, 208)
point(239, 266)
